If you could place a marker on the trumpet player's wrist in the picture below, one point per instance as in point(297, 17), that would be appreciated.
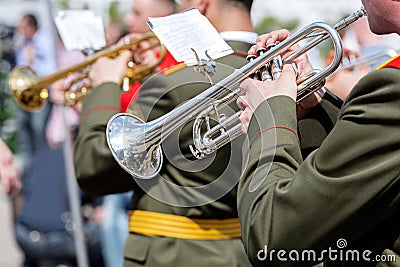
point(105, 80)
point(102, 103)
point(275, 112)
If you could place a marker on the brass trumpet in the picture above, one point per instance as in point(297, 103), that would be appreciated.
point(31, 93)
point(368, 59)
point(137, 145)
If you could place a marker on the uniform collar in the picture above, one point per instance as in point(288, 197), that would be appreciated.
point(241, 36)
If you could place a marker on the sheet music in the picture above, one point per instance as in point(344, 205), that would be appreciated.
point(80, 29)
point(183, 31)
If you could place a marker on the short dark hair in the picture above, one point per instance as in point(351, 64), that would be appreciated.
point(32, 20)
point(246, 3)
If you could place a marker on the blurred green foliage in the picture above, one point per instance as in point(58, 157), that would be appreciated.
point(114, 12)
point(64, 4)
point(8, 109)
point(269, 24)
point(85, 6)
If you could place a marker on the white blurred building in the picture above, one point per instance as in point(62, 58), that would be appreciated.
point(306, 11)
point(12, 10)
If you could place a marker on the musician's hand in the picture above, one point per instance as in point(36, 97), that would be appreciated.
point(142, 53)
point(149, 56)
point(307, 104)
point(130, 36)
point(30, 53)
point(348, 56)
point(342, 82)
point(59, 88)
point(275, 37)
point(257, 91)
point(9, 174)
point(110, 69)
point(57, 91)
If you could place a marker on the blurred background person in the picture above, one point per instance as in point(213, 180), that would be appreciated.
point(34, 47)
point(346, 76)
point(116, 206)
point(160, 249)
point(360, 39)
point(141, 10)
point(364, 51)
point(136, 24)
point(10, 181)
point(38, 213)
point(10, 254)
point(9, 173)
point(63, 119)
point(114, 212)
point(44, 226)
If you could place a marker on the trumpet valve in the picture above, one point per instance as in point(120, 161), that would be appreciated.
point(250, 58)
point(257, 74)
point(261, 51)
point(276, 67)
point(69, 98)
point(126, 84)
point(73, 97)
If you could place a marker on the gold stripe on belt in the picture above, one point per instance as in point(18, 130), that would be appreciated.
point(161, 224)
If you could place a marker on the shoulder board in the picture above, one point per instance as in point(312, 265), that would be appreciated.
point(392, 63)
point(174, 69)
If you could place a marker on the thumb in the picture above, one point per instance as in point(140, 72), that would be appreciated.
point(248, 84)
point(241, 103)
point(287, 82)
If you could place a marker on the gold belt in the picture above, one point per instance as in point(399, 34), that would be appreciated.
point(161, 224)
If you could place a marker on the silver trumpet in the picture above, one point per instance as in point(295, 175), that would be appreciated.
point(351, 63)
point(136, 145)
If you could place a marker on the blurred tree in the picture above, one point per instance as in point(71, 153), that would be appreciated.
point(85, 6)
point(269, 24)
point(64, 4)
point(327, 46)
point(8, 109)
point(114, 12)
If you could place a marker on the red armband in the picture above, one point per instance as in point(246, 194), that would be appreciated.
point(128, 97)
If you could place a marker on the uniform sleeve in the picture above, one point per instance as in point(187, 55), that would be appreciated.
point(97, 171)
point(156, 97)
point(342, 190)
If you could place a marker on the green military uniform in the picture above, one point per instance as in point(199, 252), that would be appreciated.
point(98, 173)
point(344, 196)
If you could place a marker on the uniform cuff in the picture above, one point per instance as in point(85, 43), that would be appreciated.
point(102, 102)
point(278, 112)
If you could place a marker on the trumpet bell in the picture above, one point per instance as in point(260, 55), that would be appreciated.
point(30, 91)
point(125, 137)
point(136, 145)
point(21, 82)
